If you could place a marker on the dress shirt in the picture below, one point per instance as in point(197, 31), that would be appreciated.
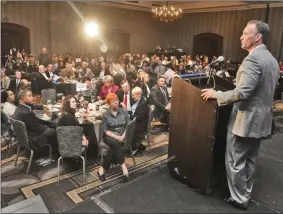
point(134, 107)
point(128, 101)
point(115, 123)
point(101, 75)
point(148, 90)
point(9, 108)
point(44, 75)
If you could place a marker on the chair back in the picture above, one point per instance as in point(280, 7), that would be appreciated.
point(130, 132)
point(48, 94)
point(150, 118)
point(7, 122)
point(70, 141)
point(21, 133)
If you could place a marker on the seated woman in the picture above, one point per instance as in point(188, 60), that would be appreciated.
point(114, 124)
point(9, 107)
point(67, 117)
point(107, 88)
point(146, 85)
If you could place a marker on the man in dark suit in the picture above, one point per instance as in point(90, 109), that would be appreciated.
point(251, 117)
point(15, 84)
point(125, 96)
point(39, 131)
point(140, 112)
point(44, 58)
point(42, 79)
point(159, 97)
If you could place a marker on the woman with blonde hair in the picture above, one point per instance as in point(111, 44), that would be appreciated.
point(114, 123)
point(107, 88)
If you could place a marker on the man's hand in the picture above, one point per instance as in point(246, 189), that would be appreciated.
point(208, 93)
point(120, 138)
point(49, 79)
point(123, 106)
point(168, 107)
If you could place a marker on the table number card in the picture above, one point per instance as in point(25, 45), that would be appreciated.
point(81, 87)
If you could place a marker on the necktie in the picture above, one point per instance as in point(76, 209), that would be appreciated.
point(17, 83)
point(126, 99)
point(164, 94)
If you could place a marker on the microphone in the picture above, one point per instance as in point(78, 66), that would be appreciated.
point(219, 59)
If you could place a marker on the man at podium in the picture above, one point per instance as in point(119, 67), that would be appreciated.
point(251, 117)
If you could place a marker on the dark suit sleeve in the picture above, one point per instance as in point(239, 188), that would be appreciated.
point(155, 100)
point(141, 112)
point(33, 123)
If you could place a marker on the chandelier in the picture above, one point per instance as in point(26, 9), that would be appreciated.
point(167, 14)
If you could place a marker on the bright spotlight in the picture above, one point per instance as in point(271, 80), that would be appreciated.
point(91, 29)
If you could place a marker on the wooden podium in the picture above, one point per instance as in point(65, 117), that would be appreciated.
point(198, 128)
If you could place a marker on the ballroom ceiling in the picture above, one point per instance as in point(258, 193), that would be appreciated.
point(191, 6)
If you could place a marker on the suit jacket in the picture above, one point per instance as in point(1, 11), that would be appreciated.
point(44, 59)
point(141, 115)
point(42, 83)
point(158, 100)
point(120, 95)
point(13, 85)
point(88, 73)
point(253, 96)
point(34, 125)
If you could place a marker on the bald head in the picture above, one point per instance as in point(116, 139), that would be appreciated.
point(24, 84)
point(41, 68)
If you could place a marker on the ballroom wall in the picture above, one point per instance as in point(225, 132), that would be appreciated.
point(228, 24)
point(57, 26)
point(33, 15)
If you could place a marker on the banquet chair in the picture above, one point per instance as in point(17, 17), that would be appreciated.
point(8, 126)
point(104, 148)
point(24, 142)
point(70, 145)
point(48, 94)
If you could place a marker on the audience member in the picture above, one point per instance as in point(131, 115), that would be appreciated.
point(107, 88)
point(39, 131)
point(160, 99)
point(15, 83)
point(5, 80)
point(114, 124)
point(8, 98)
point(125, 96)
point(67, 117)
point(140, 112)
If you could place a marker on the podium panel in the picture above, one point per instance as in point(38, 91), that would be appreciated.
point(197, 137)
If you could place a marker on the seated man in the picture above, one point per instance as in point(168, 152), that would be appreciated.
point(125, 97)
point(85, 71)
point(15, 83)
point(160, 99)
point(140, 112)
point(40, 132)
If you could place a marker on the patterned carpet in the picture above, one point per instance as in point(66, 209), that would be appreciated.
point(16, 185)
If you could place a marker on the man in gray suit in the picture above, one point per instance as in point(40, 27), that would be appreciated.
point(251, 117)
